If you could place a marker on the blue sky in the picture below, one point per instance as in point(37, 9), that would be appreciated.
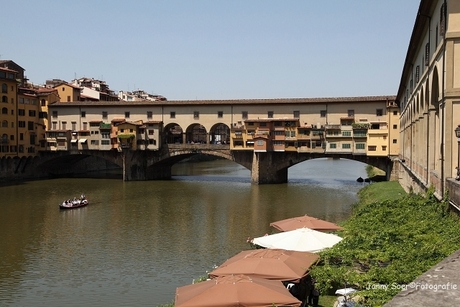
point(214, 49)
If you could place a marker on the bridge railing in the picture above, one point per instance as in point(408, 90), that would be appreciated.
point(198, 146)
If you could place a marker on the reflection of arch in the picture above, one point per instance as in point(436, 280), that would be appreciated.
point(196, 134)
point(219, 134)
point(173, 134)
point(4, 138)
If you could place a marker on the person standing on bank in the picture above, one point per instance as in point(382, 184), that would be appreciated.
point(313, 298)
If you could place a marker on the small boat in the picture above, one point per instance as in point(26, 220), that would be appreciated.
point(74, 203)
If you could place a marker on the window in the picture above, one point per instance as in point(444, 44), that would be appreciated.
point(172, 114)
point(346, 146)
point(68, 98)
point(332, 145)
point(351, 113)
point(149, 114)
point(83, 114)
point(22, 124)
point(4, 88)
point(74, 126)
point(244, 115)
point(30, 125)
point(104, 114)
point(296, 114)
point(395, 141)
point(346, 133)
point(220, 114)
point(322, 113)
point(384, 148)
point(379, 112)
point(395, 126)
point(126, 114)
point(360, 145)
point(5, 124)
point(196, 115)
point(43, 102)
point(4, 99)
point(32, 113)
point(372, 148)
point(270, 114)
point(64, 125)
point(21, 136)
point(4, 111)
point(395, 112)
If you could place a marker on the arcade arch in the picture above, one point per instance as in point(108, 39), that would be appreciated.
point(219, 134)
point(173, 134)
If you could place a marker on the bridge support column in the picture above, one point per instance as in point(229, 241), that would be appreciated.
point(134, 165)
point(264, 169)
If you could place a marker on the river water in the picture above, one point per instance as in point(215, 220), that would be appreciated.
point(137, 241)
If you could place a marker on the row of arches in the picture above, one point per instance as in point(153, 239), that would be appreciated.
point(196, 134)
point(421, 129)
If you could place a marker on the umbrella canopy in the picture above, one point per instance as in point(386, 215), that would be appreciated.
point(302, 239)
point(275, 264)
point(305, 221)
point(233, 291)
point(345, 291)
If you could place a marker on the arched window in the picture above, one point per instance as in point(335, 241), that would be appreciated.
point(4, 88)
point(5, 125)
point(5, 138)
point(4, 99)
point(4, 110)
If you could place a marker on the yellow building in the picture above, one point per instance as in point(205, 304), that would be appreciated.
point(9, 90)
point(68, 92)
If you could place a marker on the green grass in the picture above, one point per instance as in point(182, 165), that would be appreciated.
point(381, 191)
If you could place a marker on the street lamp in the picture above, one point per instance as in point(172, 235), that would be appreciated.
point(457, 133)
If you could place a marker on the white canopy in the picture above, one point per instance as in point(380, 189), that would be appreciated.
point(302, 240)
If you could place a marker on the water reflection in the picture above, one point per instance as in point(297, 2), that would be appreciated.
point(137, 241)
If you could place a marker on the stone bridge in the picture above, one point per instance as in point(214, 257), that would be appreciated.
point(265, 167)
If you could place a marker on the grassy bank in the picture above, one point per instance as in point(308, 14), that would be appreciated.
point(390, 240)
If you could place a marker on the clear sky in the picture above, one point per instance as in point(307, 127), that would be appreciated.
point(214, 49)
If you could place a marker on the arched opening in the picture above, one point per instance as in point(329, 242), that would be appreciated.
point(173, 134)
point(220, 134)
point(196, 134)
point(435, 123)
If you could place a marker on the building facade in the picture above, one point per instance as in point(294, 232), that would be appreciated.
point(429, 98)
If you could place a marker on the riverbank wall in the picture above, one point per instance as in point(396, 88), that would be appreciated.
point(33, 168)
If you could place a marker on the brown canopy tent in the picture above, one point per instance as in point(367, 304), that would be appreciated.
point(275, 264)
point(305, 221)
point(233, 291)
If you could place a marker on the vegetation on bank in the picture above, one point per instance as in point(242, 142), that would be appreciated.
point(390, 240)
